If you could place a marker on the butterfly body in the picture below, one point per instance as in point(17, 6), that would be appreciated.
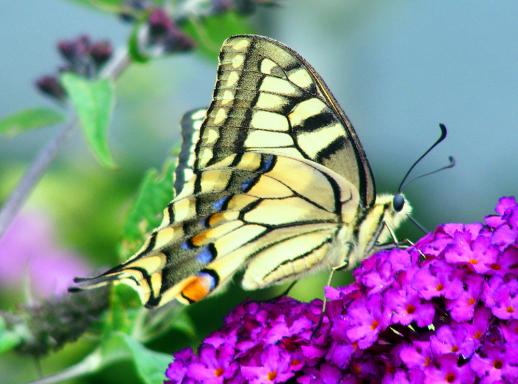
point(271, 179)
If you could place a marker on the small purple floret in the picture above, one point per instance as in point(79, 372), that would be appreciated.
point(442, 311)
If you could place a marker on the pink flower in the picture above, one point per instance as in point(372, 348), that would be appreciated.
point(29, 253)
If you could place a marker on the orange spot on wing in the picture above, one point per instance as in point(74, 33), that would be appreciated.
point(216, 218)
point(198, 289)
point(199, 239)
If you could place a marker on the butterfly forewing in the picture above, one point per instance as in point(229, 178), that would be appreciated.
point(190, 127)
point(268, 98)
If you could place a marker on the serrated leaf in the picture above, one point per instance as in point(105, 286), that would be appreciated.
point(210, 32)
point(93, 101)
point(8, 339)
point(150, 365)
point(155, 192)
point(29, 119)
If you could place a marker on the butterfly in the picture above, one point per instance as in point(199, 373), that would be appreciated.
point(271, 179)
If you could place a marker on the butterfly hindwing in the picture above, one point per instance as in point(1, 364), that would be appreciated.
point(246, 209)
point(268, 98)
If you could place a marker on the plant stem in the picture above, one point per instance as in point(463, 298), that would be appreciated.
point(46, 154)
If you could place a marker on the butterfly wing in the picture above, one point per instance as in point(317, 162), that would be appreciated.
point(190, 126)
point(268, 98)
point(277, 213)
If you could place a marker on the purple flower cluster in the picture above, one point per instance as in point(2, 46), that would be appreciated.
point(442, 311)
point(82, 57)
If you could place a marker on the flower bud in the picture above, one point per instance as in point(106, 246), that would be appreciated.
point(50, 86)
point(101, 52)
point(160, 24)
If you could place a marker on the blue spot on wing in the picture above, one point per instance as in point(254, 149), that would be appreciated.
point(219, 204)
point(211, 276)
point(206, 254)
point(266, 163)
point(245, 185)
point(186, 245)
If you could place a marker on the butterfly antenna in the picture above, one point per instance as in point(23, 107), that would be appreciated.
point(451, 164)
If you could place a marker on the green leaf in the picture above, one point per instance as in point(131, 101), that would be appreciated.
point(29, 119)
point(8, 339)
point(93, 102)
point(103, 5)
point(151, 365)
point(155, 192)
point(136, 54)
point(210, 32)
point(124, 310)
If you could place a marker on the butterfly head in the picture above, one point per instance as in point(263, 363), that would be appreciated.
point(392, 210)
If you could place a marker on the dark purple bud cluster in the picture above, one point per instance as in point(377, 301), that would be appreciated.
point(164, 33)
point(82, 57)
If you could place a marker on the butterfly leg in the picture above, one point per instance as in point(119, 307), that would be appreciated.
point(324, 301)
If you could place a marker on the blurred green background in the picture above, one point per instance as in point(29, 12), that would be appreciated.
point(398, 68)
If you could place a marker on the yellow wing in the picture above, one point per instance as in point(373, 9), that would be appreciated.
point(268, 98)
point(190, 125)
point(277, 214)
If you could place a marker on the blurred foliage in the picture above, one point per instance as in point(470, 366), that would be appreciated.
point(154, 194)
point(210, 33)
point(29, 119)
point(93, 102)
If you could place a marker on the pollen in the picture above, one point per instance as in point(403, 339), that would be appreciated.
point(218, 372)
point(473, 261)
point(439, 287)
point(471, 301)
point(509, 309)
point(272, 375)
point(375, 324)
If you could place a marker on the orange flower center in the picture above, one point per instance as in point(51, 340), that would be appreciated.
point(454, 348)
point(450, 377)
point(272, 375)
point(496, 267)
point(477, 335)
point(375, 324)
point(218, 372)
point(510, 309)
point(356, 369)
point(473, 261)
point(410, 309)
point(439, 287)
point(471, 301)
point(498, 364)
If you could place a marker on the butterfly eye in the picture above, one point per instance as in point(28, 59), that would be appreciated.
point(398, 202)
